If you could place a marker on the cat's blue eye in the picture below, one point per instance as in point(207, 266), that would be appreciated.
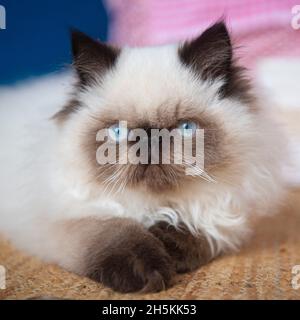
point(187, 128)
point(117, 133)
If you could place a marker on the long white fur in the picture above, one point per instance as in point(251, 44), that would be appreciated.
point(43, 176)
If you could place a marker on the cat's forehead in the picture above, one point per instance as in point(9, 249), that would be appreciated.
point(146, 73)
point(151, 83)
point(145, 58)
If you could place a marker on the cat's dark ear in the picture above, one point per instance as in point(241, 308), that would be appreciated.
point(210, 54)
point(91, 58)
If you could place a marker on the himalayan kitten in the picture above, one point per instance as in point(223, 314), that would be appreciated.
point(134, 226)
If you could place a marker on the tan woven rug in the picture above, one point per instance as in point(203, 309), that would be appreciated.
point(262, 270)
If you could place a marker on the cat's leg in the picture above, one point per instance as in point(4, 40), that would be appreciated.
point(187, 251)
point(118, 252)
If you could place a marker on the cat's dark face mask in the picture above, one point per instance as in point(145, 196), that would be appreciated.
point(208, 58)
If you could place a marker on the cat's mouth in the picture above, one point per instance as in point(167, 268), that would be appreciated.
point(158, 177)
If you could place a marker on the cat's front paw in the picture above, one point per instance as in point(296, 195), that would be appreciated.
point(134, 262)
point(187, 251)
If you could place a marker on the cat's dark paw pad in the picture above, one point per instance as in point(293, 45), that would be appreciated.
point(187, 251)
point(142, 266)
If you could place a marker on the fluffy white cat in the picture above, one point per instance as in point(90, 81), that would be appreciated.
point(54, 199)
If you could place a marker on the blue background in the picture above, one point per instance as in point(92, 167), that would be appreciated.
point(36, 39)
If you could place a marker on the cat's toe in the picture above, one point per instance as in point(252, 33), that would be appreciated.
point(187, 251)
